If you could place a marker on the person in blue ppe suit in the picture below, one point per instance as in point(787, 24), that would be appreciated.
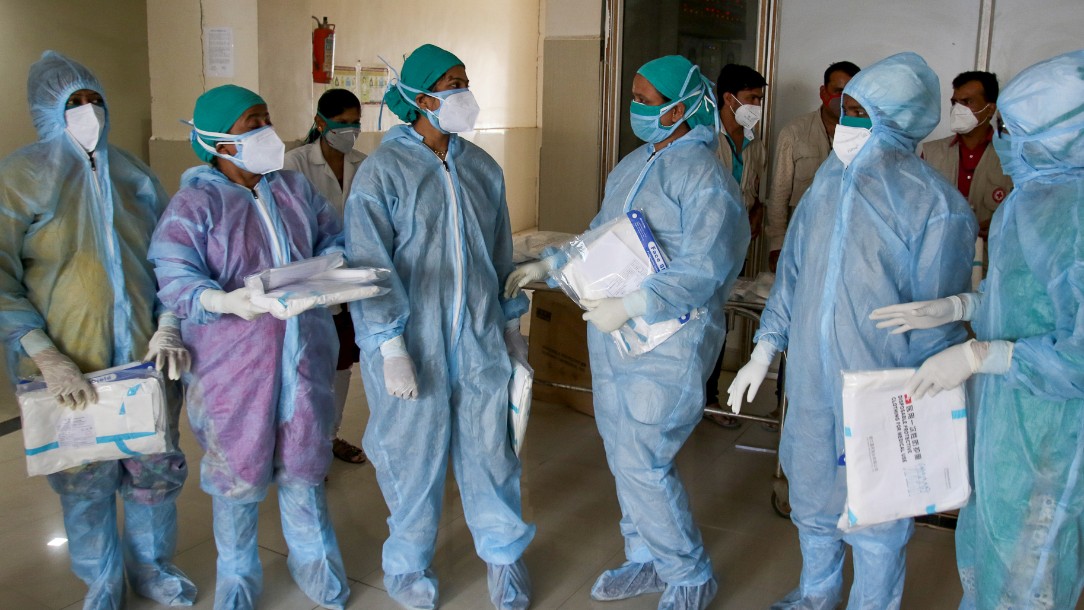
point(877, 225)
point(431, 207)
point(1018, 540)
point(77, 295)
point(260, 390)
point(647, 406)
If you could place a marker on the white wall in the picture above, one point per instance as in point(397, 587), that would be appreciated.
point(107, 36)
point(1026, 32)
point(812, 35)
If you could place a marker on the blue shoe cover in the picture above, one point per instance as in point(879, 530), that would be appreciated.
point(416, 590)
point(509, 585)
point(629, 580)
point(692, 597)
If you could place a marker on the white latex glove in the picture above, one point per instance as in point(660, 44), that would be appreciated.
point(525, 274)
point(237, 302)
point(63, 379)
point(747, 382)
point(609, 315)
point(955, 365)
point(514, 343)
point(400, 380)
point(923, 314)
point(168, 351)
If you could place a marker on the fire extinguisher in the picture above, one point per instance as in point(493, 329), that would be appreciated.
point(323, 51)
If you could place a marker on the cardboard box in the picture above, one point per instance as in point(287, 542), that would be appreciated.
point(558, 352)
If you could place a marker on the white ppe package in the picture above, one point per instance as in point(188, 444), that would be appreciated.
point(519, 402)
point(905, 457)
point(612, 261)
point(319, 281)
point(128, 420)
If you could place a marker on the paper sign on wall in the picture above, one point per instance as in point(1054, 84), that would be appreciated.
point(218, 52)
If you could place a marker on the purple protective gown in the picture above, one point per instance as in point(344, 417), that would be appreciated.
point(259, 392)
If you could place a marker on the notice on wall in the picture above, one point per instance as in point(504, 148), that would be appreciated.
point(218, 52)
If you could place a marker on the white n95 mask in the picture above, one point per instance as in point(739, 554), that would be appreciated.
point(457, 113)
point(748, 115)
point(962, 120)
point(85, 125)
point(259, 151)
point(850, 138)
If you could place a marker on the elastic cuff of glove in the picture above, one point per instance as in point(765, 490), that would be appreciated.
point(511, 326)
point(35, 342)
point(169, 320)
point(763, 353)
point(396, 346)
point(998, 358)
point(549, 262)
point(968, 302)
point(211, 299)
point(635, 303)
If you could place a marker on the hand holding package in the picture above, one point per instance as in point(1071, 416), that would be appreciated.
point(127, 420)
point(292, 289)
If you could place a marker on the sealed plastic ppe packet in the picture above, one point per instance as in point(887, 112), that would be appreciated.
point(904, 457)
point(612, 261)
point(519, 403)
point(319, 281)
point(128, 420)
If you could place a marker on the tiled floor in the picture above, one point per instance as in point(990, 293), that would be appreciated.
point(568, 493)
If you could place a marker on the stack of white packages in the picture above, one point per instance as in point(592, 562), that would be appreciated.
point(319, 281)
point(904, 457)
point(611, 262)
point(128, 420)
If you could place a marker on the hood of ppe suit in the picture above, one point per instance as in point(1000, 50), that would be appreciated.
point(902, 96)
point(1045, 105)
point(51, 81)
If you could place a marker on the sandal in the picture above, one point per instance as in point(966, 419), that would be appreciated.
point(725, 421)
point(347, 452)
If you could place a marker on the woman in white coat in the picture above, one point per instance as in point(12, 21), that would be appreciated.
point(329, 161)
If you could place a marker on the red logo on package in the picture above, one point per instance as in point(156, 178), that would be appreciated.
point(906, 399)
point(999, 195)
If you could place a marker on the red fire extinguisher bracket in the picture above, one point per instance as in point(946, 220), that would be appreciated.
point(323, 51)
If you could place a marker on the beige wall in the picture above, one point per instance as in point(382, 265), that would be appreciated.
point(273, 56)
point(568, 166)
point(502, 64)
point(108, 36)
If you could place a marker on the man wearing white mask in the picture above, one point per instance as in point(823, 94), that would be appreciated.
point(961, 158)
point(437, 349)
point(740, 91)
point(966, 158)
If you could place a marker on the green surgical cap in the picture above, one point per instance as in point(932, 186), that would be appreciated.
point(668, 75)
point(218, 109)
point(421, 70)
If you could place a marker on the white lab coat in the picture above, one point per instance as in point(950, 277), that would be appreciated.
point(309, 160)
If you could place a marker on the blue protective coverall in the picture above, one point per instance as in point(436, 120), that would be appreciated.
point(885, 229)
point(646, 406)
point(259, 392)
point(443, 229)
point(1018, 544)
point(74, 230)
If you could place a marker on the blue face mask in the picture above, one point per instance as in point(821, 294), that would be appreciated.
point(646, 122)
